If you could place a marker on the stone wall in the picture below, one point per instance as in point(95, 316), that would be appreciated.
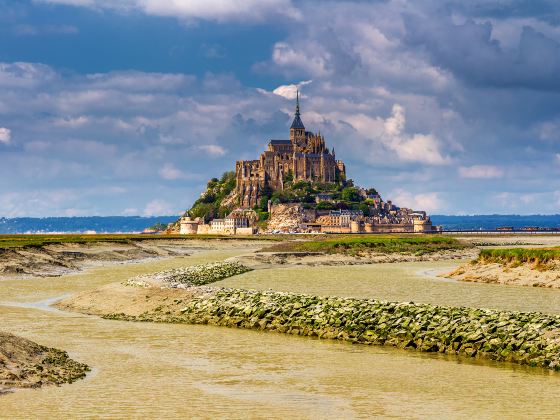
point(525, 338)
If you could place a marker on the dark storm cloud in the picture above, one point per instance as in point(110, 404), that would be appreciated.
point(470, 52)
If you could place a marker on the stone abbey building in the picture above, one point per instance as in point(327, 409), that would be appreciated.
point(303, 157)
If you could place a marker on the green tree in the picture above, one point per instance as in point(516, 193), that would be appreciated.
point(350, 194)
point(325, 205)
point(289, 177)
point(263, 205)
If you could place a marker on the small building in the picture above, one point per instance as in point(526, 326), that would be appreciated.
point(321, 197)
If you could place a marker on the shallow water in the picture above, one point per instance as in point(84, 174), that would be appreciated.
point(162, 370)
point(416, 282)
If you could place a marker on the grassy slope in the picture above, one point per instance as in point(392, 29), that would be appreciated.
point(519, 255)
point(351, 244)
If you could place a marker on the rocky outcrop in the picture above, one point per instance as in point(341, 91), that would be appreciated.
point(285, 217)
point(25, 364)
point(526, 338)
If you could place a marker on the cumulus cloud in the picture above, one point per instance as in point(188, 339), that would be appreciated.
point(290, 91)
point(468, 77)
point(429, 201)
point(24, 75)
point(469, 51)
point(423, 148)
point(212, 149)
point(5, 135)
point(480, 171)
point(216, 10)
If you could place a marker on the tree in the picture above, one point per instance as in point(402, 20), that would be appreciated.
point(263, 205)
point(350, 194)
point(289, 177)
point(325, 205)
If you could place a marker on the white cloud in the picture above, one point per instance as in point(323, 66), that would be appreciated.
point(158, 207)
point(5, 135)
point(424, 148)
point(313, 60)
point(480, 171)
point(290, 91)
point(70, 122)
point(24, 75)
point(558, 157)
point(212, 149)
point(170, 172)
point(429, 202)
point(217, 10)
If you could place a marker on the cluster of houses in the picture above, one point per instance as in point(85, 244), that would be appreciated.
point(294, 218)
point(238, 222)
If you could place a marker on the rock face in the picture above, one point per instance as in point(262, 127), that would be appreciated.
point(286, 217)
point(526, 338)
point(25, 364)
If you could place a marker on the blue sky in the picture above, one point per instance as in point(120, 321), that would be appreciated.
point(128, 107)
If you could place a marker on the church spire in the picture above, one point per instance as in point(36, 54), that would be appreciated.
point(297, 123)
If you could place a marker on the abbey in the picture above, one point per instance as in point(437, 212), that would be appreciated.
point(303, 157)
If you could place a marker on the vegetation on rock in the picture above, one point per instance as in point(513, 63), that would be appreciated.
point(25, 364)
point(527, 338)
point(210, 204)
point(196, 275)
point(354, 244)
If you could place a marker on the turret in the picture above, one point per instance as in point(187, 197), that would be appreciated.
point(297, 130)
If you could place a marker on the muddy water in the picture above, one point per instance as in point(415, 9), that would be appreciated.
point(417, 282)
point(161, 370)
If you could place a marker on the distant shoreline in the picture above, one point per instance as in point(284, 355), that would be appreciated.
point(136, 224)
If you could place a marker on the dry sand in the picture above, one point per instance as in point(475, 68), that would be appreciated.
point(57, 260)
point(128, 300)
point(523, 275)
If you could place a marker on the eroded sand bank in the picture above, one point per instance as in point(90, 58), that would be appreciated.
point(523, 275)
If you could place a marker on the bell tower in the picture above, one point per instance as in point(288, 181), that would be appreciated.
point(297, 130)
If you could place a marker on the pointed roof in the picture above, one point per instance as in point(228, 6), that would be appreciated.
point(297, 123)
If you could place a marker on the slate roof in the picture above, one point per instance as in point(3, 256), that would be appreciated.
point(297, 123)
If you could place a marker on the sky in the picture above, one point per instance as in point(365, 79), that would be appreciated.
point(128, 107)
